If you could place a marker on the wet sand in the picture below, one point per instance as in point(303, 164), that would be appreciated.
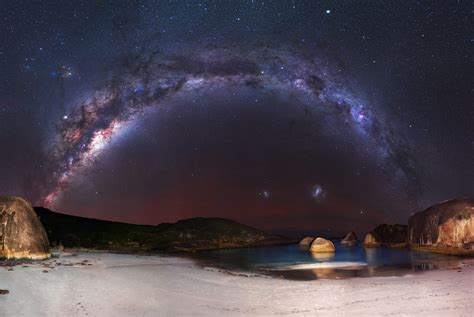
point(105, 284)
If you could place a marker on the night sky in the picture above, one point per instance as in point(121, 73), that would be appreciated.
point(291, 116)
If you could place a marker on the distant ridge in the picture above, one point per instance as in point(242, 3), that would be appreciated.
point(188, 235)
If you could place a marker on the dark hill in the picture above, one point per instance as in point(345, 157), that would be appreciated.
point(187, 235)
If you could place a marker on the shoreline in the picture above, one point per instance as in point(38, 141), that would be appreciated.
point(109, 284)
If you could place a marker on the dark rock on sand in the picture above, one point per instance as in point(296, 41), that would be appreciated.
point(4, 291)
point(321, 245)
point(350, 239)
point(21, 233)
point(446, 228)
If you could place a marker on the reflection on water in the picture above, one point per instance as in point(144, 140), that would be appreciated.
point(294, 262)
point(323, 257)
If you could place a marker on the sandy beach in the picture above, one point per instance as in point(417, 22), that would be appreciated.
point(105, 284)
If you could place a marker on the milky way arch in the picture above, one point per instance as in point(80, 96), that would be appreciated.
point(150, 79)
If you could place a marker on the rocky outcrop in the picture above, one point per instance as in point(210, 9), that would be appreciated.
point(446, 228)
point(372, 240)
point(21, 233)
point(306, 242)
point(393, 236)
point(321, 245)
point(350, 239)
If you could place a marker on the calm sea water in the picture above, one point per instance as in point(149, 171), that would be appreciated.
point(295, 262)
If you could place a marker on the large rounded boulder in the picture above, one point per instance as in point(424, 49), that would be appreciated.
point(350, 239)
point(321, 245)
point(22, 235)
point(306, 242)
point(446, 228)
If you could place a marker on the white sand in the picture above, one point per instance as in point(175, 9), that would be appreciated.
point(129, 285)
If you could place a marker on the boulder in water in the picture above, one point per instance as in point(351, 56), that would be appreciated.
point(372, 240)
point(393, 236)
point(21, 233)
point(446, 228)
point(321, 245)
point(350, 239)
point(306, 242)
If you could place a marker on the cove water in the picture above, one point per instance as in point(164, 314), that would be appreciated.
point(295, 262)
